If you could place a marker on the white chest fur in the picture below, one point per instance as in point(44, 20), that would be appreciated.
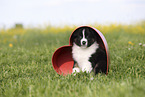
point(82, 55)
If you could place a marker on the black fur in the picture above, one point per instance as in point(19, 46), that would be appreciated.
point(99, 61)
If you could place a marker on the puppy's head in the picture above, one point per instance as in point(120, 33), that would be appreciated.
point(83, 37)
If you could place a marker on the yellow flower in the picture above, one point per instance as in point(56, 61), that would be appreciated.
point(10, 45)
point(130, 43)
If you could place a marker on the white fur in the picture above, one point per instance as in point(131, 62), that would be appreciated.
point(84, 39)
point(76, 70)
point(82, 55)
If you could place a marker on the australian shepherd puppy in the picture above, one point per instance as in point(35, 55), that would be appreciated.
point(87, 54)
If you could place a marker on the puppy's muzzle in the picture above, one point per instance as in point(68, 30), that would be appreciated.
point(84, 42)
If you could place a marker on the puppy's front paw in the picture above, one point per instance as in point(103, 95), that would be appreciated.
point(75, 70)
point(87, 70)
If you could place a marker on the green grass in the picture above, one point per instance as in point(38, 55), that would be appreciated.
point(26, 69)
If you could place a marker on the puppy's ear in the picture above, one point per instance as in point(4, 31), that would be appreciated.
point(93, 32)
point(75, 34)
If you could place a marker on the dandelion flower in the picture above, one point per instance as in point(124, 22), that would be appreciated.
point(130, 43)
point(10, 45)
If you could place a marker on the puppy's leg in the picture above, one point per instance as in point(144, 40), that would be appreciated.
point(87, 67)
point(100, 67)
point(76, 69)
point(97, 69)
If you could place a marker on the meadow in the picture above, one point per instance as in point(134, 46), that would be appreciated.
point(26, 69)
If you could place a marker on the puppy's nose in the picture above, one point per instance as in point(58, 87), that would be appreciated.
point(84, 42)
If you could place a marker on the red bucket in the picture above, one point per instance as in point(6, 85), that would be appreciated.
point(62, 60)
